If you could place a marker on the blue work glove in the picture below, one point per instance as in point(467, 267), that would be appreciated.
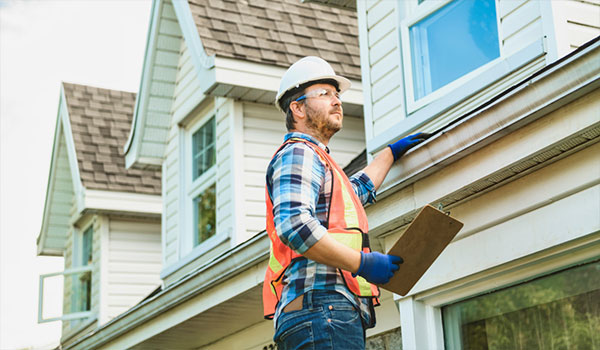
point(378, 268)
point(403, 145)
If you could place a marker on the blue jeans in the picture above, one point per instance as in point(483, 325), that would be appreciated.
point(327, 320)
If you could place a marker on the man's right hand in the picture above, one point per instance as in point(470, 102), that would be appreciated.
point(378, 268)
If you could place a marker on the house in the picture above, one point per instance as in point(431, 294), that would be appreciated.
point(514, 110)
point(102, 218)
point(510, 91)
point(205, 117)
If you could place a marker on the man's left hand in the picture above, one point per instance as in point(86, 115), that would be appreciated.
point(403, 145)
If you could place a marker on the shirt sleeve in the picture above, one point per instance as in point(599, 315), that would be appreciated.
point(363, 187)
point(294, 179)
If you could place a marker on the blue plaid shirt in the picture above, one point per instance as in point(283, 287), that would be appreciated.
point(300, 189)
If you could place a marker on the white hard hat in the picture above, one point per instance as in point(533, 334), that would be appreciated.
point(307, 69)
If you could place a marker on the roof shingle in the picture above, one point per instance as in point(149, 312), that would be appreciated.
point(279, 32)
point(100, 123)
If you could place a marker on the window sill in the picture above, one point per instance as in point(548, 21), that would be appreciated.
point(455, 94)
point(197, 252)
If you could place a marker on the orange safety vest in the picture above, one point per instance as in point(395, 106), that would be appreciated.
point(347, 223)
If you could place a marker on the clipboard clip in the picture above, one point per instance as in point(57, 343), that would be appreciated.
point(440, 207)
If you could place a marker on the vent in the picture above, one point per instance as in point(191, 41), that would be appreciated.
point(544, 156)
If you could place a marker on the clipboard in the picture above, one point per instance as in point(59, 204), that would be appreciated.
point(423, 241)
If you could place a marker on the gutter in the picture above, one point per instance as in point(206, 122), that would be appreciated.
point(547, 90)
point(581, 79)
point(223, 267)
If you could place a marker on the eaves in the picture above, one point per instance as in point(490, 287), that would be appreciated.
point(553, 87)
point(220, 269)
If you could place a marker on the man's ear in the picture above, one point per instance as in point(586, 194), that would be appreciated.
point(297, 109)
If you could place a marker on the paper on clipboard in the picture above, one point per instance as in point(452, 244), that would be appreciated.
point(423, 241)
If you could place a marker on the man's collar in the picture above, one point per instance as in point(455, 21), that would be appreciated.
point(306, 137)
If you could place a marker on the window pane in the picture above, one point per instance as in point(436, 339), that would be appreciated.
point(82, 282)
point(203, 148)
point(205, 210)
point(455, 40)
point(87, 247)
point(559, 311)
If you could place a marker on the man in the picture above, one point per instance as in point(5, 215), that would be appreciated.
point(318, 283)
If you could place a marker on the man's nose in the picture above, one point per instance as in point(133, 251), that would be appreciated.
point(336, 100)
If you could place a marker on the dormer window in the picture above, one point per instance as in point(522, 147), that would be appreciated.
point(204, 181)
point(82, 283)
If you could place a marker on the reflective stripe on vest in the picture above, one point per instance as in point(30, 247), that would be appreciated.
point(347, 224)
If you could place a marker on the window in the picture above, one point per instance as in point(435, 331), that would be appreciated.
point(203, 148)
point(451, 42)
point(558, 311)
point(203, 181)
point(79, 277)
point(82, 283)
point(204, 215)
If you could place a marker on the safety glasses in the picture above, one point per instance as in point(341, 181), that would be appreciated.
point(319, 93)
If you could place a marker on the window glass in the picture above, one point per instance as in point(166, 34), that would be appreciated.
point(82, 282)
point(559, 311)
point(451, 42)
point(203, 148)
point(204, 212)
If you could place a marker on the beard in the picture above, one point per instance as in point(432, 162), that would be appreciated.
point(320, 122)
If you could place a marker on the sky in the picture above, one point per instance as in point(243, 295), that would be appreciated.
point(91, 42)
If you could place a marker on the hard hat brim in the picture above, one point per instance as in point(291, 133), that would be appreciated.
point(343, 85)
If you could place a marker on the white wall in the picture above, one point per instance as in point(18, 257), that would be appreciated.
point(561, 25)
point(264, 128)
point(186, 91)
point(576, 22)
point(133, 264)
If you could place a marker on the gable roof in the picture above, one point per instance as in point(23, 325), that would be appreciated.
point(100, 123)
point(200, 49)
point(279, 32)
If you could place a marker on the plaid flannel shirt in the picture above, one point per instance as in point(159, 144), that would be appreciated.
point(299, 187)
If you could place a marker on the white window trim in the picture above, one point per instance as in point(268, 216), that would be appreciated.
point(76, 268)
point(424, 10)
point(421, 314)
point(493, 72)
point(192, 188)
point(68, 316)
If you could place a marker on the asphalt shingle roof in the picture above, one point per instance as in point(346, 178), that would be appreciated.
point(279, 32)
point(100, 123)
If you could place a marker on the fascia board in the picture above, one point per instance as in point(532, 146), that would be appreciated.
point(218, 270)
point(203, 63)
point(123, 202)
point(63, 129)
point(78, 188)
point(247, 74)
point(41, 239)
point(267, 77)
point(560, 84)
point(133, 145)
